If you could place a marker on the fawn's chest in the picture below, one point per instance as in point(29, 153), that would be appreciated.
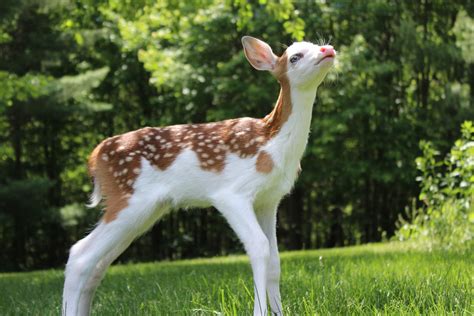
point(285, 151)
point(286, 168)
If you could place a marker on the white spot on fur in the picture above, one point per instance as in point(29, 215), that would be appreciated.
point(260, 139)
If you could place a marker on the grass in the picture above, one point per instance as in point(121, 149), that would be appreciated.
point(371, 279)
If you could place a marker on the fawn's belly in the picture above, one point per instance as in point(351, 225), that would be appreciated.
point(184, 184)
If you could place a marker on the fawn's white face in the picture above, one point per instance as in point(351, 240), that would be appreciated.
point(308, 64)
point(304, 65)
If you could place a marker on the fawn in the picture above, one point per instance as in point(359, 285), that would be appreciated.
point(243, 167)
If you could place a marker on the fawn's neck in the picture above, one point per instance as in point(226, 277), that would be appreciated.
point(290, 122)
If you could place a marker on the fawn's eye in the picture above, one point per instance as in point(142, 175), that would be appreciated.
point(295, 58)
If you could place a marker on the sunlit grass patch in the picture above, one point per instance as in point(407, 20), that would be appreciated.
point(370, 279)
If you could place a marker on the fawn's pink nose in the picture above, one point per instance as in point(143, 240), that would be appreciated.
point(327, 50)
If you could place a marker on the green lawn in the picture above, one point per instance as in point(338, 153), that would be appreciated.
point(370, 279)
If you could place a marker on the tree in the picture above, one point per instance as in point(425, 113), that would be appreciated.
point(75, 72)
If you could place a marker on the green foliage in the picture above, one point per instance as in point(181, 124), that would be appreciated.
point(24, 88)
point(447, 190)
point(21, 197)
point(464, 29)
point(23, 210)
point(378, 279)
point(78, 88)
point(72, 214)
point(75, 72)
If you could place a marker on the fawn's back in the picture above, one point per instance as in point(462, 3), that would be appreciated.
point(189, 164)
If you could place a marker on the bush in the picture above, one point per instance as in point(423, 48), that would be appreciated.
point(446, 219)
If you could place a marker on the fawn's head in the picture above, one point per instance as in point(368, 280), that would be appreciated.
point(304, 64)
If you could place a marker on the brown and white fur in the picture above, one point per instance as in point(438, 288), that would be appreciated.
point(243, 167)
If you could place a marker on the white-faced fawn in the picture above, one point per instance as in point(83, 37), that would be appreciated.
point(243, 167)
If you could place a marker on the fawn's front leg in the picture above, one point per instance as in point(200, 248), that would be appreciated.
point(241, 217)
point(267, 218)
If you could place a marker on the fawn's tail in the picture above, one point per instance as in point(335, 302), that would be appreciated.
point(96, 195)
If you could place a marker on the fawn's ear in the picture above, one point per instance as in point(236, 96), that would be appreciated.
point(259, 54)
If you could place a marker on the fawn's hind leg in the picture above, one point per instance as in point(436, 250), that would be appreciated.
point(91, 256)
point(98, 274)
point(85, 300)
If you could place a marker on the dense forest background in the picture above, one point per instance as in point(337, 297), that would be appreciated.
point(73, 72)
